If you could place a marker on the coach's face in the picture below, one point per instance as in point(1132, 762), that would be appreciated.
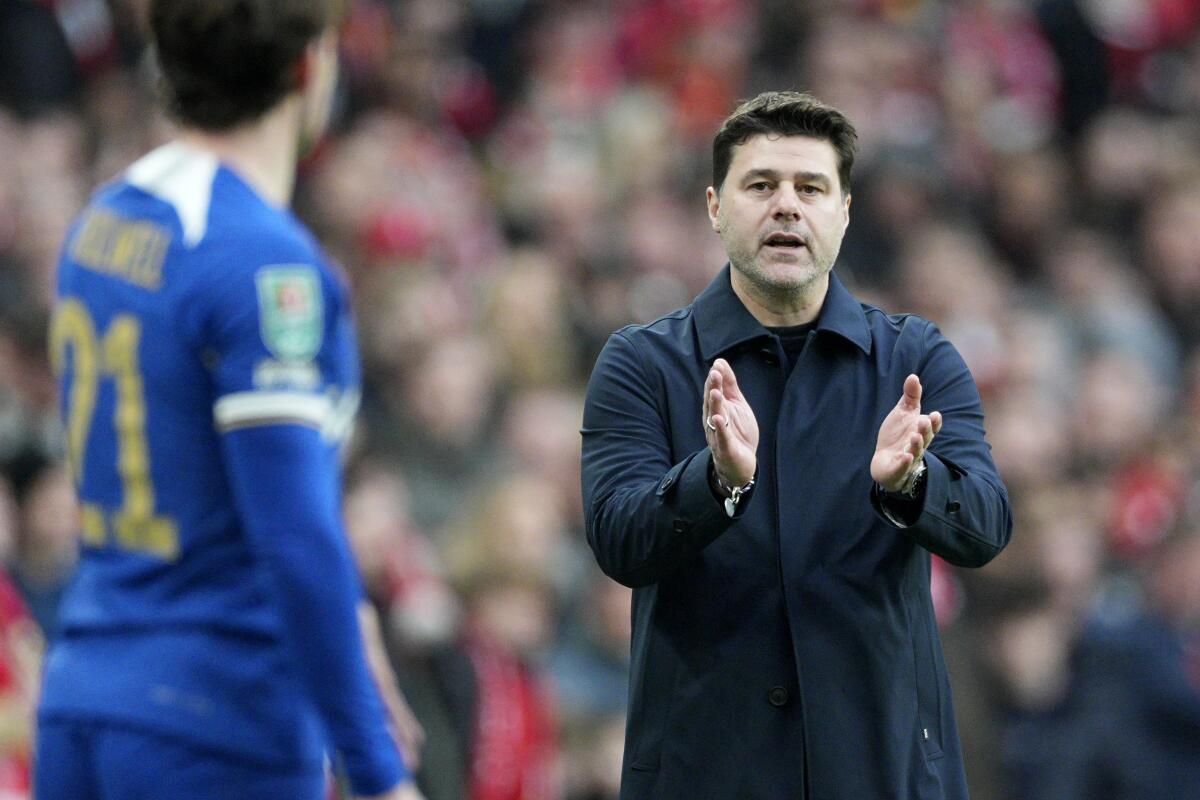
point(781, 212)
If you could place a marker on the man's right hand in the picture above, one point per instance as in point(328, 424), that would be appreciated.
point(729, 426)
point(405, 791)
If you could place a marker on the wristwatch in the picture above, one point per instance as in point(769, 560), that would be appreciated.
point(913, 482)
point(906, 494)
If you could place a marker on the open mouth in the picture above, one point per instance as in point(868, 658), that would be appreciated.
point(788, 241)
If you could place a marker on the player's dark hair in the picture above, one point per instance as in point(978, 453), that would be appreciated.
point(785, 114)
point(226, 62)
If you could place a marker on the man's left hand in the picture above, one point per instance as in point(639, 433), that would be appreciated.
point(903, 438)
point(405, 729)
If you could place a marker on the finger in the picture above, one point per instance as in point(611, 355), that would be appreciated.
point(912, 393)
point(895, 465)
point(723, 439)
point(715, 417)
point(916, 445)
point(732, 390)
point(710, 382)
point(925, 428)
point(414, 730)
point(903, 459)
point(936, 419)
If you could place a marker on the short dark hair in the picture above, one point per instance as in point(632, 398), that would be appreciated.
point(225, 62)
point(785, 114)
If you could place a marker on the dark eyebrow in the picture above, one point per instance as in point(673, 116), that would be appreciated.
point(801, 177)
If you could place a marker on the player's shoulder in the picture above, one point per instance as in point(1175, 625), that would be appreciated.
point(254, 232)
point(223, 232)
point(211, 211)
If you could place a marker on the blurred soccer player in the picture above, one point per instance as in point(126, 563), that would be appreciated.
point(206, 354)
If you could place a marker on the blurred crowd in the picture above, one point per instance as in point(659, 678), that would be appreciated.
point(509, 181)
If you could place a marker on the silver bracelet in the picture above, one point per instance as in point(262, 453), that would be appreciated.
point(735, 493)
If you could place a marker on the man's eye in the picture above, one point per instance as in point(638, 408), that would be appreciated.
point(810, 189)
point(761, 186)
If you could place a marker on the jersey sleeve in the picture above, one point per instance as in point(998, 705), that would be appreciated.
point(283, 351)
point(283, 360)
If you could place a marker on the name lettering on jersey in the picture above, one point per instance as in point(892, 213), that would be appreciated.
point(132, 250)
point(291, 314)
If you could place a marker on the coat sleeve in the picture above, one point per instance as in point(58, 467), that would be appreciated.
point(965, 517)
point(645, 513)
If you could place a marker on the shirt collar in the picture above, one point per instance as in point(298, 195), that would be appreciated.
point(723, 322)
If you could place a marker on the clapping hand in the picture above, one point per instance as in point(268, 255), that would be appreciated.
point(729, 426)
point(903, 438)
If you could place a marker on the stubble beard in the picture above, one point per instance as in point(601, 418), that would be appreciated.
point(796, 283)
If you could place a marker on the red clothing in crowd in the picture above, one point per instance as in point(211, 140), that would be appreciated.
point(17, 631)
point(514, 744)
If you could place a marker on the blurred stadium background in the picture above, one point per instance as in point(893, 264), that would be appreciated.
point(510, 180)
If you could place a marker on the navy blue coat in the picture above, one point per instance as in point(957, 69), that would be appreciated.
point(790, 652)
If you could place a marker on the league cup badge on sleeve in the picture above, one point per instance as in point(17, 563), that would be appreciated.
point(290, 311)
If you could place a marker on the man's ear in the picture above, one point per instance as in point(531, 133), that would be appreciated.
point(713, 198)
point(309, 63)
point(846, 209)
point(303, 71)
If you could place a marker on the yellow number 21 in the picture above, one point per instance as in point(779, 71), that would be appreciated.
point(134, 525)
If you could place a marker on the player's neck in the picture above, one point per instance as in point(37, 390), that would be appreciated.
point(263, 153)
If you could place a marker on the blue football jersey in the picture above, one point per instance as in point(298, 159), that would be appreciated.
point(187, 307)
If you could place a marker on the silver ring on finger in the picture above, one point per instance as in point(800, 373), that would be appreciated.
point(708, 423)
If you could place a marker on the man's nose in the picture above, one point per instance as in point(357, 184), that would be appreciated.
point(787, 203)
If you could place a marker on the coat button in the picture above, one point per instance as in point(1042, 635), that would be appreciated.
point(778, 696)
point(953, 506)
point(666, 483)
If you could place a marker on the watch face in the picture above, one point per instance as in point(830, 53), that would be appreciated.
point(914, 479)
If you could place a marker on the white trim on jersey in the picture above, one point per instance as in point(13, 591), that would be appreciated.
point(341, 418)
point(247, 409)
point(182, 176)
point(334, 418)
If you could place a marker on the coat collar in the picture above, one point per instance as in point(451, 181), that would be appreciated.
point(723, 322)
